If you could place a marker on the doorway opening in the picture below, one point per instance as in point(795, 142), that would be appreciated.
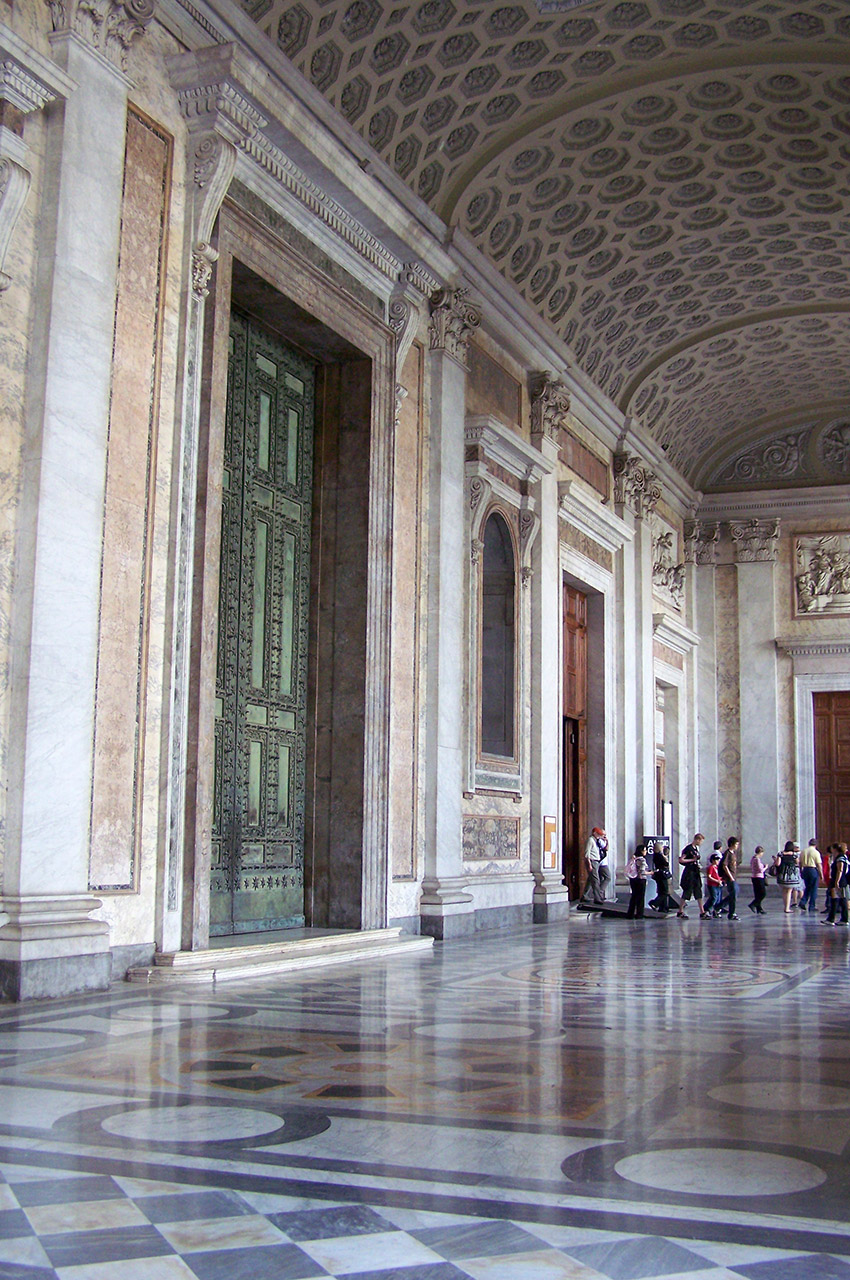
point(832, 766)
point(574, 738)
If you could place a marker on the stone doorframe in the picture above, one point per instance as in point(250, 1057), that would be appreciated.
point(243, 242)
point(818, 666)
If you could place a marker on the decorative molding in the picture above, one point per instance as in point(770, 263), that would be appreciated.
point(578, 508)
point(781, 458)
point(668, 576)
point(701, 541)
point(453, 321)
point(786, 503)
point(635, 486)
point(822, 574)
point(109, 26)
point(505, 447)
point(550, 403)
point(673, 633)
point(754, 540)
point(319, 204)
point(794, 648)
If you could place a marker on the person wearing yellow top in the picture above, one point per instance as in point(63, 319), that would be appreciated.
point(811, 864)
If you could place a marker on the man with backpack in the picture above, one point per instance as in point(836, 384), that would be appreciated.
point(839, 886)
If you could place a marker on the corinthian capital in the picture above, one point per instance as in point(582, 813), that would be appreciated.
point(754, 540)
point(701, 537)
point(550, 403)
point(453, 321)
point(110, 26)
point(635, 486)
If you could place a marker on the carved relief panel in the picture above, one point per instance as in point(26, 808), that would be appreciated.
point(822, 574)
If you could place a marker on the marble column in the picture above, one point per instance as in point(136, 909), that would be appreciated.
point(755, 543)
point(445, 904)
point(49, 945)
point(551, 897)
point(701, 555)
point(636, 490)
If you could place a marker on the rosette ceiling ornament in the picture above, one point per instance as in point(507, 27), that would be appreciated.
point(665, 181)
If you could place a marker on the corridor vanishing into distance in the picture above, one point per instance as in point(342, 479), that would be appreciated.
point(589, 1099)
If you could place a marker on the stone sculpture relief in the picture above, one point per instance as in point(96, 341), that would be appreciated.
point(835, 447)
point(668, 576)
point(822, 574)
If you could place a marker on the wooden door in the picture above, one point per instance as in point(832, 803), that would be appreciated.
point(575, 827)
point(832, 767)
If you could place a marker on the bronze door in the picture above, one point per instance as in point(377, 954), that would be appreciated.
point(257, 870)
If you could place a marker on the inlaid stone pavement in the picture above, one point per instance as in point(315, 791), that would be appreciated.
point(598, 1098)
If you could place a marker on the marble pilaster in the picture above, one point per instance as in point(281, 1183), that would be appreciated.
point(700, 557)
point(758, 687)
point(445, 905)
point(549, 406)
point(56, 607)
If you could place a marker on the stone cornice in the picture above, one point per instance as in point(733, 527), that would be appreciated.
point(28, 80)
point(672, 632)
point(795, 648)
point(800, 504)
point(589, 516)
point(505, 447)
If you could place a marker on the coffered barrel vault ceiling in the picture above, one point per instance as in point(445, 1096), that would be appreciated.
point(665, 181)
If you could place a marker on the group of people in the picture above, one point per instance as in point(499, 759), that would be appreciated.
point(797, 874)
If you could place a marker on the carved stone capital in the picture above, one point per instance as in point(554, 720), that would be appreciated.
point(754, 540)
point(550, 403)
point(109, 26)
point(701, 539)
point(635, 486)
point(453, 321)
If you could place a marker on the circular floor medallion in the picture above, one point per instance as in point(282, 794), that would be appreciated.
point(715, 1171)
point(791, 1095)
point(475, 1031)
point(192, 1124)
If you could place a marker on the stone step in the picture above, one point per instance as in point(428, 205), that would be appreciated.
point(258, 960)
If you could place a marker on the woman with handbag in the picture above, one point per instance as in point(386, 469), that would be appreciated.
point(788, 876)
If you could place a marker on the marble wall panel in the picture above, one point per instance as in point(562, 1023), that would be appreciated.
point(584, 544)
point(728, 700)
point(491, 389)
point(119, 718)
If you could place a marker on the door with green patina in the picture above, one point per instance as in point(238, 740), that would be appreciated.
point(257, 869)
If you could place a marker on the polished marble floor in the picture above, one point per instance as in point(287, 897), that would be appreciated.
point(596, 1099)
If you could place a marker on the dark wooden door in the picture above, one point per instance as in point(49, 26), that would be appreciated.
point(832, 767)
point(575, 739)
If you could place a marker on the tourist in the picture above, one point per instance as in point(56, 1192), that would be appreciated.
point(595, 855)
point(691, 879)
point(637, 870)
point(839, 886)
point(715, 886)
point(662, 875)
point(788, 874)
point(757, 875)
point(729, 875)
point(811, 865)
